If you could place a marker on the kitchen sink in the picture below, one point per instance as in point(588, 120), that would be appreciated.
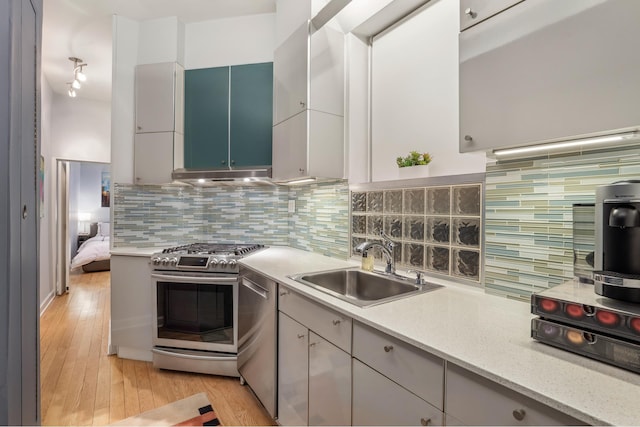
point(363, 288)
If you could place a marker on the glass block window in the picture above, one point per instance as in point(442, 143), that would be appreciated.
point(437, 229)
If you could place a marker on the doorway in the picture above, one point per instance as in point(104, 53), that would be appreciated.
point(81, 205)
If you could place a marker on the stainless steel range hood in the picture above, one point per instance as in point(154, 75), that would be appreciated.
point(205, 177)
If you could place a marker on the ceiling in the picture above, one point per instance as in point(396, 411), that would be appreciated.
point(82, 28)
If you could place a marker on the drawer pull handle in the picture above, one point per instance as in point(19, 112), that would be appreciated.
point(519, 414)
point(283, 293)
point(300, 336)
point(425, 421)
point(313, 344)
point(470, 12)
point(388, 348)
point(336, 322)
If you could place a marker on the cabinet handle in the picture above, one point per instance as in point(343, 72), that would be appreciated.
point(233, 162)
point(470, 13)
point(336, 322)
point(283, 293)
point(519, 414)
point(300, 336)
point(139, 127)
point(301, 170)
point(302, 104)
point(468, 138)
point(223, 162)
point(425, 421)
point(388, 348)
point(313, 344)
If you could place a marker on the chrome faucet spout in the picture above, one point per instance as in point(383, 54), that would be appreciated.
point(387, 246)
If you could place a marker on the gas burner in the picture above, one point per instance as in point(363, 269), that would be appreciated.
point(203, 257)
point(213, 248)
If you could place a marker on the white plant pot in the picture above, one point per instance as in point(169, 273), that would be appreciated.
point(409, 172)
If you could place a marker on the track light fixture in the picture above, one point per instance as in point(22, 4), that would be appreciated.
point(79, 76)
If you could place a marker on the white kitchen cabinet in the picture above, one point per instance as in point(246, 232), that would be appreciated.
point(156, 155)
point(475, 11)
point(475, 400)
point(379, 401)
point(329, 383)
point(416, 370)
point(314, 363)
point(159, 138)
point(394, 383)
point(159, 97)
point(544, 71)
point(308, 144)
point(308, 133)
point(131, 309)
point(293, 372)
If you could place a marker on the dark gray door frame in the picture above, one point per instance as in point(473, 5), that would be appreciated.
point(20, 41)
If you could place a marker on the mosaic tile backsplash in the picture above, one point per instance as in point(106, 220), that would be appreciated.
point(529, 216)
point(148, 216)
point(438, 229)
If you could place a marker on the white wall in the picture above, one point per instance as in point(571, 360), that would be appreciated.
point(47, 245)
point(125, 58)
point(89, 191)
point(231, 41)
point(415, 94)
point(80, 129)
point(161, 40)
point(71, 129)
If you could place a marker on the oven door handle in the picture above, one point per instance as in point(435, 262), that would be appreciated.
point(189, 356)
point(250, 284)
point(196, 279)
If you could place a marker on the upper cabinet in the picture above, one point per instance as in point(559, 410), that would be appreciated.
point(158, 142)
point(475, 11)
point(308, 132)
point(159, 97)
point(545, 70)
point(228, 115)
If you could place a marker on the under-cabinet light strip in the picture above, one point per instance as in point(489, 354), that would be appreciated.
point(567, 144)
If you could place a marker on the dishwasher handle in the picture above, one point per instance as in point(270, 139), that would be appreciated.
point(250, 284)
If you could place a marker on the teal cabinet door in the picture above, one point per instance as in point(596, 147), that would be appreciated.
point(206, 118)
point(251, 114)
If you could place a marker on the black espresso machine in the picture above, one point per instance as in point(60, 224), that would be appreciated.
point(605, 324)
point(617, 241)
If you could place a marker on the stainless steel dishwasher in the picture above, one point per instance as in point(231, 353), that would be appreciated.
point(257, 339)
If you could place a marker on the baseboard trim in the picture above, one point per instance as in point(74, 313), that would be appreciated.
point(46, 303)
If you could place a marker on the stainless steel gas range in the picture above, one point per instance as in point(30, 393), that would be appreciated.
point(195, 289)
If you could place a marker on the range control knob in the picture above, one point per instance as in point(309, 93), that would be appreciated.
point(223, 263)
point(213, 262)
point(232, 263)
point(173, 261)
point(165, 261)
point(155, 260)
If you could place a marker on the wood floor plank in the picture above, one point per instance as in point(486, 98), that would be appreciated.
point(82, 385)
point(131, 400)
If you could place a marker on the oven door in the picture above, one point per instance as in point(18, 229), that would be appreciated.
point(196, 311)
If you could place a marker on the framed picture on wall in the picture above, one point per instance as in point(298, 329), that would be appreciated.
point(106, 189)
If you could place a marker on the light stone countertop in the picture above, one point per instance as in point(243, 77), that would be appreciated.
point(485, 334)
point(133, 251)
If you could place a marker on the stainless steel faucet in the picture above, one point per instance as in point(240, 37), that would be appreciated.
point(387, 247)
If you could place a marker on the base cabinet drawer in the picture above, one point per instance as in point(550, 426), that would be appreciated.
point(416, 370)
point(474, 400)
point(329, 324)
point(379, 401)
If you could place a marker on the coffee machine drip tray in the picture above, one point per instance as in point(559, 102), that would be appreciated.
point(619, 286)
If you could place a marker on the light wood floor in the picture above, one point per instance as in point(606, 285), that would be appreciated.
point(81, 385)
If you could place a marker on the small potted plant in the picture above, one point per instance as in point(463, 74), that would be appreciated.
point(415, 165)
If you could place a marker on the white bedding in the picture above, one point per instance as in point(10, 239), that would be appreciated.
point(94, 249)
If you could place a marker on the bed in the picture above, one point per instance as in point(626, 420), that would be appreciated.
point(93, 255)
